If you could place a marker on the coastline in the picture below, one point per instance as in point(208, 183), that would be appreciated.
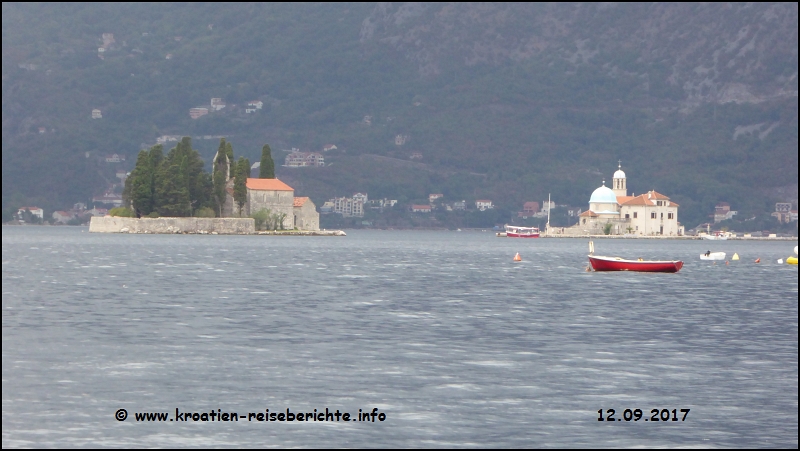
point(193, 226)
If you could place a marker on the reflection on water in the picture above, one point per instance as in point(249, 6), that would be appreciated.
point(458, 344)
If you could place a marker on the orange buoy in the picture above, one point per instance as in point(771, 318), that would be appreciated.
point(517, 258)
point(726, 262)
point(758, 260)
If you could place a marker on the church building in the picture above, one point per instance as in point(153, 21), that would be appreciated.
point(651, 213)
point(272, 195)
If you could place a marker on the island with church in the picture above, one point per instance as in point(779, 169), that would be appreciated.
point(171, 194)
point(612, 212)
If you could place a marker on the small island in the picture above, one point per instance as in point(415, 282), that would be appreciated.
point(173, 194)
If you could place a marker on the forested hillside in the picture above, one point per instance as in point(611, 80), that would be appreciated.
point(507, 102)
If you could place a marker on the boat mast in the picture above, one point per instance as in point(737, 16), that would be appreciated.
point(547, 226)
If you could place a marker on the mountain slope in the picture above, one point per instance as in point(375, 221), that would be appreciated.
point(699, 101)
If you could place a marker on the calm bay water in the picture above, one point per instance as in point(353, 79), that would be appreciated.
point(442, 331)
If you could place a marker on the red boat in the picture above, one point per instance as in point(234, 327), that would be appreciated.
point(522, 232)
point(620, 264)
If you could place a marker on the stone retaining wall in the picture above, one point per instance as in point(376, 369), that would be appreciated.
point(214, 226)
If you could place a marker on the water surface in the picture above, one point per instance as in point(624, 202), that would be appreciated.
point(442, 331)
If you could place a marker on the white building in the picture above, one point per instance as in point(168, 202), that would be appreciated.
point(97, 114)
point(651, 213)
point(35, 211)
point(483, 205)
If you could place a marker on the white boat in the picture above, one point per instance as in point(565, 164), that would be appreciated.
point(716, 236)
point(522, 232)
point(713, 256)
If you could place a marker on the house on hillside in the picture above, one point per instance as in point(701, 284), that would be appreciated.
point(115, 158)
point(432, 198)
point(347, 206)
point(304, 159)
point(217, 103)
point(97, 114)
point(722, 212)
point(483, 205)
point(194, 113)
point(783, 212)
point(416, 156)
point(328, 147)
point(35, 211)
point(421, 208)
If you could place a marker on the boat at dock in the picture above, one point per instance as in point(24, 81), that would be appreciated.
point(716, 236)
point(522, 232)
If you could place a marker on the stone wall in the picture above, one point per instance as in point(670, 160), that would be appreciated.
point(306, 216)
point(220, 226)
point(277, 202)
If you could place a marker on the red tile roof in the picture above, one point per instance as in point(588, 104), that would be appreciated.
point(640, 200)
point(588, 213)
point(299, 201)
point(268, 185)
point(657, 196)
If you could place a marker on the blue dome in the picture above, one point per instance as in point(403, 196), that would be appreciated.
point(603, 195)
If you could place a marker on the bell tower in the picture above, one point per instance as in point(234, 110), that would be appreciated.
point(619, 183)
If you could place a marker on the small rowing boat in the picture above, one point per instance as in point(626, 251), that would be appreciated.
point(620, 264)
point(600, 263)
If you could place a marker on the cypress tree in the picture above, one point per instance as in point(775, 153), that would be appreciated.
point(219, 189)
point(138, 186)
point(240, 183)
point(267, 170)
point(172, 196)
point(231, 163)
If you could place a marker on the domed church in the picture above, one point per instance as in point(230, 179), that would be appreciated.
point(649, 214)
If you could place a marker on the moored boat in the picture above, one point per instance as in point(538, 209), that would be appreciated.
point(718, 235)
point(600, 263)
point(713, 256)
point(522, 232)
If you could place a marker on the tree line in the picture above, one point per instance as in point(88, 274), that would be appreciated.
point(177, 185)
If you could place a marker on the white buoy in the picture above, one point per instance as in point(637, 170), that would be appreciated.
point(780, 261)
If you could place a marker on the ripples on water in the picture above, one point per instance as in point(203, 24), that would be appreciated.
point(459, 345)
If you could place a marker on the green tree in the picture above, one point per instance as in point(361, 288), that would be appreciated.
point(172, 196)
point(267, 170)
point(240, 183)
point(124, 212)
point(220, 171)
point(261, 218)
point(229, 152)
point(204, 212)
point(139, 189)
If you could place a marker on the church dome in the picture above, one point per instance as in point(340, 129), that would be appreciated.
point(619, 174)
point(603, 195)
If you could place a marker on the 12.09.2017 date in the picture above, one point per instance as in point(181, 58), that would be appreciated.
point(636, 415)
